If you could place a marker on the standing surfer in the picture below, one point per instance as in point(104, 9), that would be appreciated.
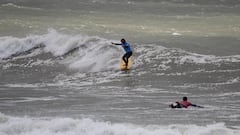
point(126, 46)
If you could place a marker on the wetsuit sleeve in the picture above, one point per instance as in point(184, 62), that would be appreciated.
point(116, 44)
point(197, 106)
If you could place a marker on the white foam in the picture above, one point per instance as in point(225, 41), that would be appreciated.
point(68, 126)
point(205, 59)
point(59, 44)
point(19, 7)
point(230, 81)
point(48, 62)
point(176, 34)
point(22, 85)
point(13, 45)
point(90, 54)
point(94, 53)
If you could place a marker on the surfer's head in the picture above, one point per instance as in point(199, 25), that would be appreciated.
point(184, 98)
point(123, 40)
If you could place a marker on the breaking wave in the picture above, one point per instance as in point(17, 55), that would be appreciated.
point(92, 53)
point(68, 126)
point(77, 51)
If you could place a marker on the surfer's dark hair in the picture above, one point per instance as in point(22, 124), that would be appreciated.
point(184, 98)
point(123, 40)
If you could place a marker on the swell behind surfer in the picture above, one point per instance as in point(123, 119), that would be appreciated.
point(184, 104)
point(126, 46)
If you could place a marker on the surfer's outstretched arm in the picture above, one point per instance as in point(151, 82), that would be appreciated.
point(116, 43)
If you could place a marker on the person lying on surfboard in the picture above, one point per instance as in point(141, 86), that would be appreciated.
point(183, 104)
point(126, 46)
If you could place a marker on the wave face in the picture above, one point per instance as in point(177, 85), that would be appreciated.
point(68, 126)
point(79, 51)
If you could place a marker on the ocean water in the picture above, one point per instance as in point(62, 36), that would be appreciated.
point(59, 72)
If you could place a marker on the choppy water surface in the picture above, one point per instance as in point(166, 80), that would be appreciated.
point(60, 73)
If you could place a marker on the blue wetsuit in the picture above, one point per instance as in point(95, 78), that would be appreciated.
point(128, 51)
point(126, 47)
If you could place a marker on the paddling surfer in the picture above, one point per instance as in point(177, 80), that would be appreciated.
point(183, 104)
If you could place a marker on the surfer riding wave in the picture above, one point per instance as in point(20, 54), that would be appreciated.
point(126, 46)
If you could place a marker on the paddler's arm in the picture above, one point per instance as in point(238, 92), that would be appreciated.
point(197, 106)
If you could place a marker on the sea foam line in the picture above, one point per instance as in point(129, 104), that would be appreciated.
point(68, 126)
point(20, 7)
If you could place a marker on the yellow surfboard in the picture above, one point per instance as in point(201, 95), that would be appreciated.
point(123, 64)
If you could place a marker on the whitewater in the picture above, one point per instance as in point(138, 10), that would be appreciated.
point(69, 126)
